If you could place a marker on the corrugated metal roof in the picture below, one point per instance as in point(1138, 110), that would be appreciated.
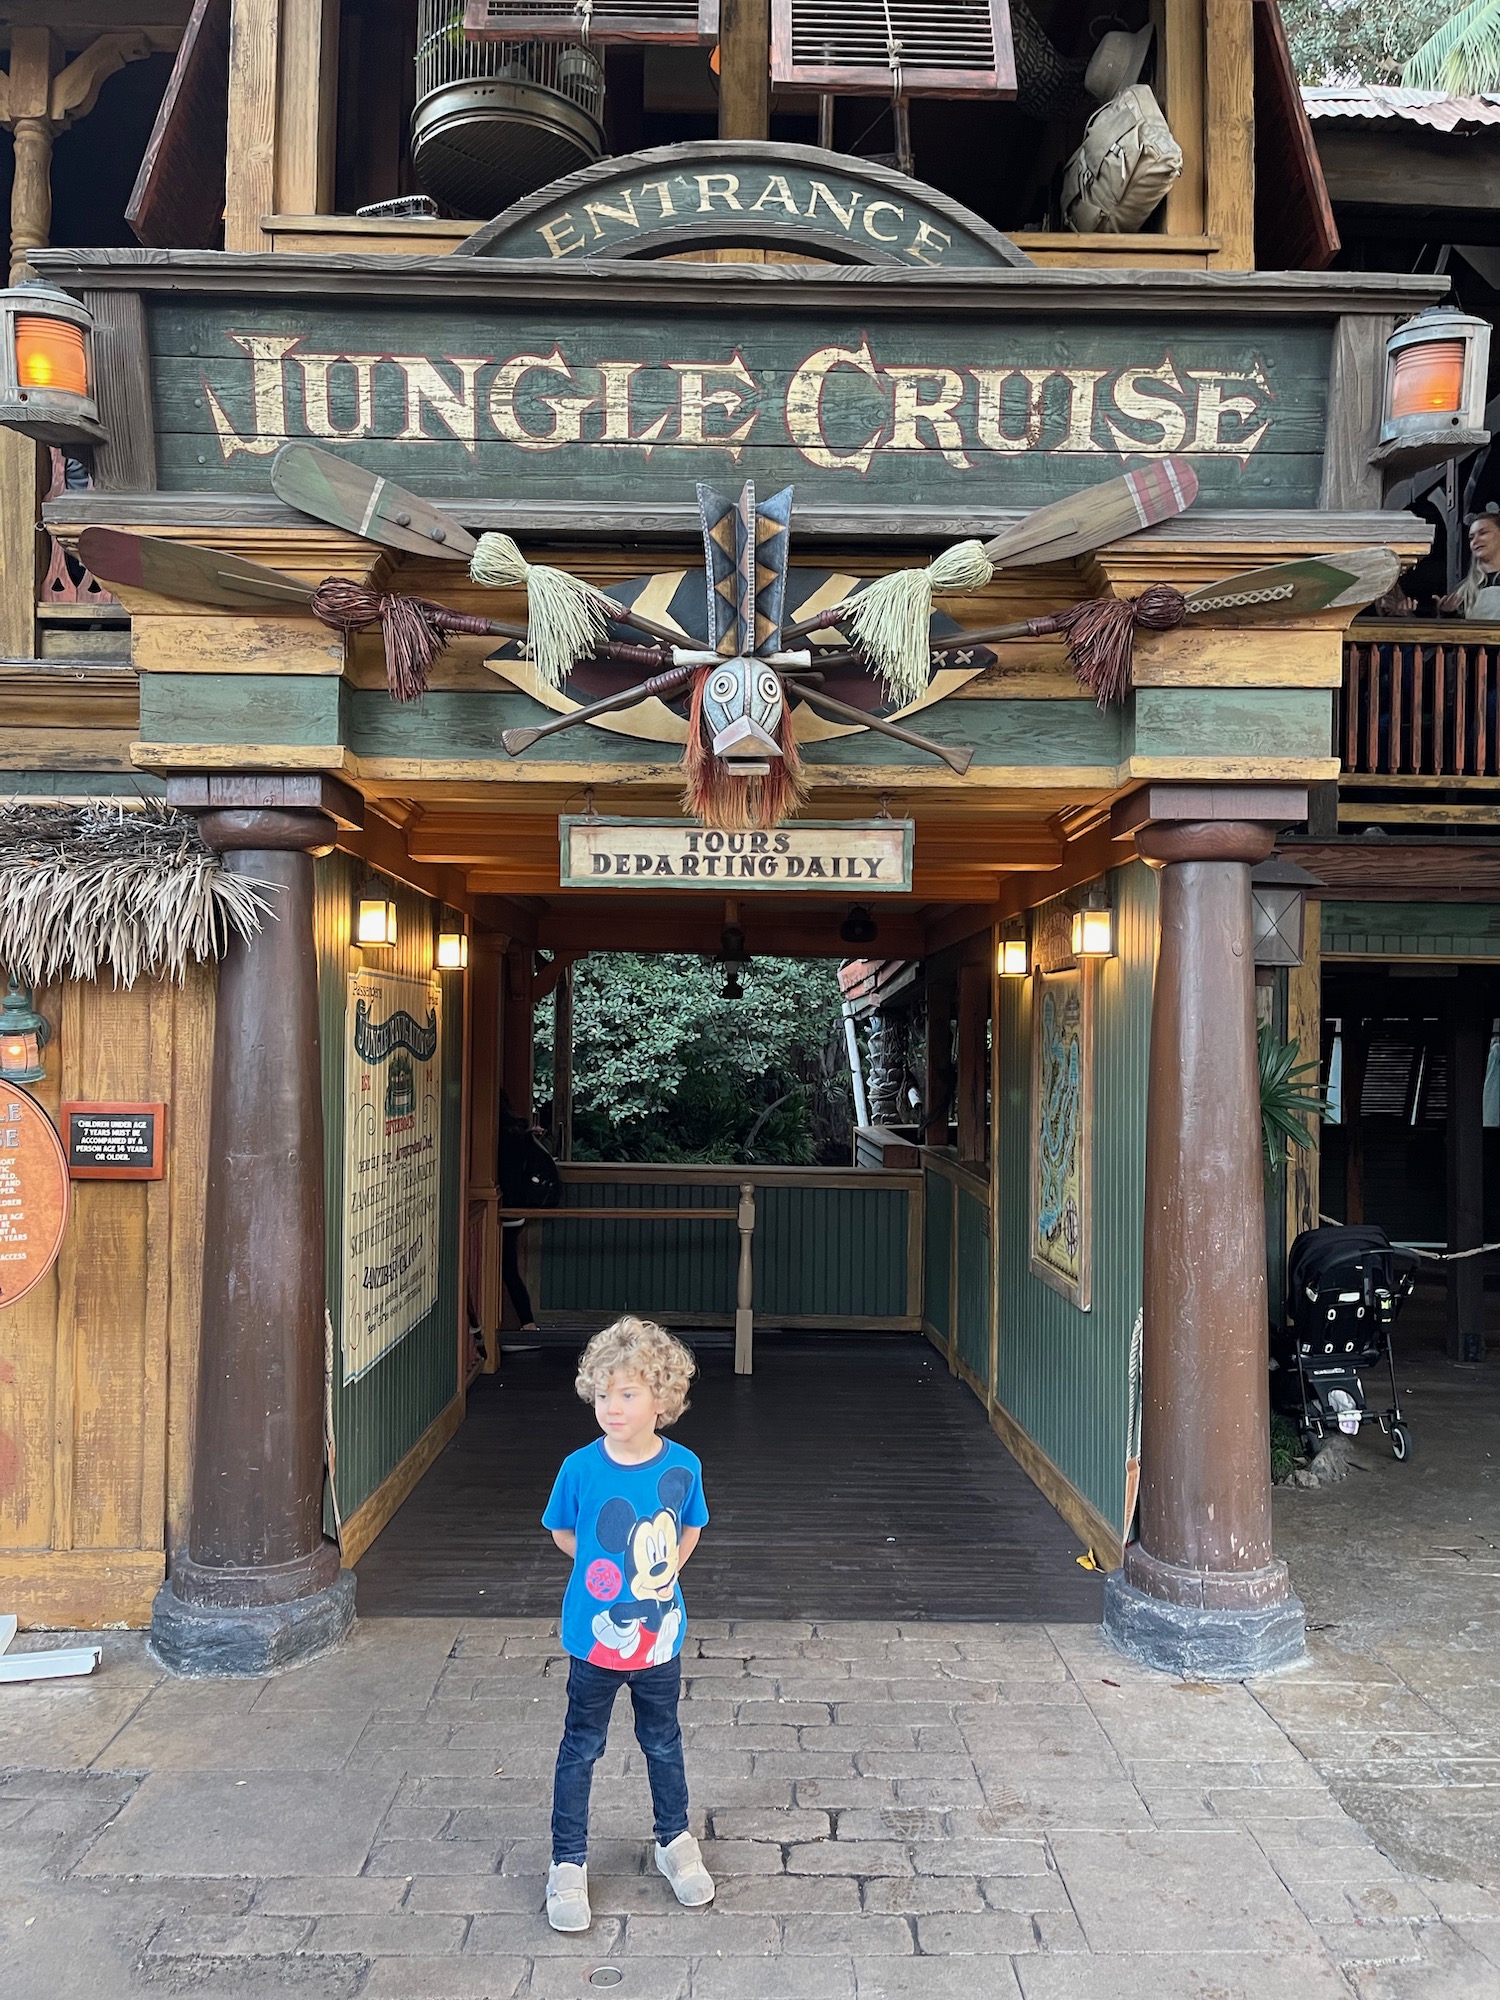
point(1371, 101)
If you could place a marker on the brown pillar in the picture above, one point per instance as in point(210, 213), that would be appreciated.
point(940, 1079)
point(973, 1061)
point(562, 1066)
point(744, 69)
point(1201, 1592)
point(518, 1062)
point(260, 1587)
point(1468, 1049)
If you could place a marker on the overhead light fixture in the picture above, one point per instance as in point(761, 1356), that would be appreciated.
point(1015, 953)
point(24, 1034)
point(859, 927)
point(733, 956)
point(375, 918)
point(47, 366)
point(1436, 388)
point(452, 943)
point(1094, 924)
point(1278, 892)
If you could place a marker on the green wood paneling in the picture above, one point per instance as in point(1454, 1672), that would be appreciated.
point(1412, 930)
point(242, 708)
point(378, 1418)
point(71, 781)
point(448, 397)
point(974, 1283)
point(1062, 1373)
point(1231, 722)
point(818, 1252)
point(937, 1258)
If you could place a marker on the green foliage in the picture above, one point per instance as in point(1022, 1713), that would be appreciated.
point(666, 1070)
point(1286, 1448)
point(1286, 1099)
point(1462, 56)
point(1352, 41)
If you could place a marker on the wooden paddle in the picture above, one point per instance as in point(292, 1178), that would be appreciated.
point(958, 759)
point(346, 496)
point(184, 570)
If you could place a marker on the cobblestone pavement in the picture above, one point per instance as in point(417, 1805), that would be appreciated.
point(998, 1812)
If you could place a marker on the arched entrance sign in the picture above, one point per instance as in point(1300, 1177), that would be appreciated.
point(34, 1194)
point(744, 194)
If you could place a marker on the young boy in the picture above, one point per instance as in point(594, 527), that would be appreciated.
point(627, 1510)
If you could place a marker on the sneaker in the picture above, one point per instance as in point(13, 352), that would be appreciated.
point(681, 1861)
point(568, 1896)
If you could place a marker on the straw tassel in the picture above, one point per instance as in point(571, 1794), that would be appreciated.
point(730, 804)
point(892, 617)
point(567, 619)
point(1101, 635)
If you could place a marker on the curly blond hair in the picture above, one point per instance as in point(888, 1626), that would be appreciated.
point(641, 1348)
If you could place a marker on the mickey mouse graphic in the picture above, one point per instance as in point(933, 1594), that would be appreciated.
point(641, 1626)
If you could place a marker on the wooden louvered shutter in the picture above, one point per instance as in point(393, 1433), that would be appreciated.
point(177, 202)
point(601, 21)
point(937, 48)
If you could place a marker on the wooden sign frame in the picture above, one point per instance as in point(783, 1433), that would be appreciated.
point(780, 860)
point(101, 1108)
point(38, 1137)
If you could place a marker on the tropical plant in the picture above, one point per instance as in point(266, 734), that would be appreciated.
point(1350, 41)
point(1462, 56)
point(1286, 1099)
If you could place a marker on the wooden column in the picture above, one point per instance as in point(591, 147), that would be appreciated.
point(938, 1092)
point(518, 1060)
point(1179, 27)
point(973, 1060)
point(259, 1586)
point(1468, 1048)
point(1201, 1591)
point(1229, 132)
point(562, 1066)
point(744, 69)
point(1304, 1026)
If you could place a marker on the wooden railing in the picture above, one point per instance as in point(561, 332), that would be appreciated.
point(1419, 700)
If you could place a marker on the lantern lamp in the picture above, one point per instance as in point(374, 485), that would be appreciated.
point(24, 1033)
point(452, 943)
point(1015, 955)
point(1436, 388)
point(47, 366)
point(375, 918)
point(1278, 891)
point(1094, 925)
point(859, 927)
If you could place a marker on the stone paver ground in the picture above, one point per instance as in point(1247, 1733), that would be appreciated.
point(892, 1813)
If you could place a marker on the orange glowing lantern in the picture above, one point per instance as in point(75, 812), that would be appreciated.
point(46, 366)
point(1436, 376)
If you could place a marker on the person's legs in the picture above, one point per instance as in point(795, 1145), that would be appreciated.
point(510, 1272)
point(591, 1696)
point(654, 1693)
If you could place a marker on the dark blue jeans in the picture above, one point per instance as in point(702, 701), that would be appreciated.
point(591, 1697)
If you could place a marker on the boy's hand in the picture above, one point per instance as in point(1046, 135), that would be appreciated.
point(567, 1540)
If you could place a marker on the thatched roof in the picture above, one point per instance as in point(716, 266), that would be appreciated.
point(83, 887)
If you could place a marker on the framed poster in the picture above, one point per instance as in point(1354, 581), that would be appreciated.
point(34, 1194)
point(1062, 1131)
point(392, 1156)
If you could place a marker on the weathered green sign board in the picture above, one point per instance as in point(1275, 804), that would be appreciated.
point(620, 404)
point(724, 192)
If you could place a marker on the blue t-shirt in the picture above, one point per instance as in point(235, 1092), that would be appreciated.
point(623, 1606)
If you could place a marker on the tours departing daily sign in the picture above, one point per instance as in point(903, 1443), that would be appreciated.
point(872, 856)
point(392, 1154)
point(34, 1194)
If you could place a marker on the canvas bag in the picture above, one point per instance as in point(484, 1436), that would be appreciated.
point(1124, 167)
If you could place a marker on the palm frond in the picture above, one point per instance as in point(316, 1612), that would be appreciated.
point(1287, 1100)
point(1463, 56)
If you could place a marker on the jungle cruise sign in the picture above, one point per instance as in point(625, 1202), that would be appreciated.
point(872, 856)
point(625, 404)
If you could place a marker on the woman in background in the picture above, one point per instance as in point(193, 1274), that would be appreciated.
point(528, 1178)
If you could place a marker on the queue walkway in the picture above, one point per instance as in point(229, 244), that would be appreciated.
point(851, 1477)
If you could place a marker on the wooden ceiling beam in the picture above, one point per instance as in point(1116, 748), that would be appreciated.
point(767, 934)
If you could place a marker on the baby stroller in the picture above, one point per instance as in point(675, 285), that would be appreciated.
point(1345, 1286)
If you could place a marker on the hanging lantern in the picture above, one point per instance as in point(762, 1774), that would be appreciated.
point(47, 366)
point(859, 927)
point(1436, 388)
point(1015, 953)
point(24, 1033)
point(452, 943)
point(1094, 925)
point(375, 916)
point(1278, 891)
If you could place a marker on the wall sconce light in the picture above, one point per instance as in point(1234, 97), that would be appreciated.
point(1278, 891)
point(1436, 377)
point(452, 943)
point(47, 366)
point(375, 918)
point(24, 1033)
point(1094, 924)
point(1015, 953)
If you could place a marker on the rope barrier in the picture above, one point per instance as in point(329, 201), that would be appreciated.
point(1432, 1256)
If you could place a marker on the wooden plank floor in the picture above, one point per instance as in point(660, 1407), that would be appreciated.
point(850, 1477)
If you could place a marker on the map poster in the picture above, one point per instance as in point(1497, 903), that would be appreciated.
point(1062, 1132)
point(392, 1155)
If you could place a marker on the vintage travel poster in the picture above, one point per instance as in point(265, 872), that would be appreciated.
point(1061, 1132)
point(392, 1152)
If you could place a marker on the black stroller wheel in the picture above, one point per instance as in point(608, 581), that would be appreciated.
point(1401, 1441)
